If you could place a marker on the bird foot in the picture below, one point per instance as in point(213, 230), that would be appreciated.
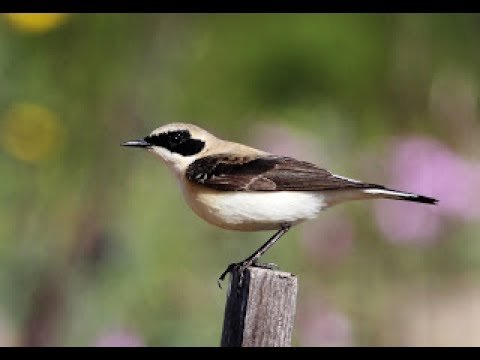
point(241, 267)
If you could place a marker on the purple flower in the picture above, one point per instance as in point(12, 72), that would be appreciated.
point(119, 338)
point(426, 166)
point(328, 240)
point(282, 140)
point(319, 324)
point(407, 223)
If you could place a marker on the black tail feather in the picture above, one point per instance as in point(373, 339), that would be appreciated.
point(422, 199)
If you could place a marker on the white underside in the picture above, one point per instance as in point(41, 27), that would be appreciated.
point(254, 211)
point(268, 210)
point(262, 211)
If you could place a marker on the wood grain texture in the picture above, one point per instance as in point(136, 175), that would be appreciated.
point(260, 312)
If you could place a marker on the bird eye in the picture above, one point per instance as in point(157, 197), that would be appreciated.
point(177, 138)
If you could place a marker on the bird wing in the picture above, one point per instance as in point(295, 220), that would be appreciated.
point(266, 173)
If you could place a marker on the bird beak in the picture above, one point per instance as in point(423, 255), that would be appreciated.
point(137, 143)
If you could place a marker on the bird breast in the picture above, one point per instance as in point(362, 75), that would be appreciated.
point(252, 211)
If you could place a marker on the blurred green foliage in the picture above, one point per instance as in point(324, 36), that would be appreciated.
point(95, 237)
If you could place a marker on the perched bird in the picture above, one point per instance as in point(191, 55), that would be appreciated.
point(237, 187)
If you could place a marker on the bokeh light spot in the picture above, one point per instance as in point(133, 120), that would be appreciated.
point(30, 132)
point(119, 338)
point(35, 23)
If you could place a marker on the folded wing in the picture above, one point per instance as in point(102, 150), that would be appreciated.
point(270, 173)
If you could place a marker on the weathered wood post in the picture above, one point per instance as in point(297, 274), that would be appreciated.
point(260, 311)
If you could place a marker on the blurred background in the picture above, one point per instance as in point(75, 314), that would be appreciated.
point(97, 247)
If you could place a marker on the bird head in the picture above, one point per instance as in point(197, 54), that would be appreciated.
point(177, 144)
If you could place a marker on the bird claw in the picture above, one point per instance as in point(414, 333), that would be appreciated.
point(224, 274)
point(240, 267)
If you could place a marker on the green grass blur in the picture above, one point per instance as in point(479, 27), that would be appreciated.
point(95, 237)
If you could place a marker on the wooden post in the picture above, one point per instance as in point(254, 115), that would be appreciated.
point(260, 311)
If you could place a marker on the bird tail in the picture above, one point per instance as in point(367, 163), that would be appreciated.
point(385, 193)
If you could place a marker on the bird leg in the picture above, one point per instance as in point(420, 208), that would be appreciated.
point(252, 259)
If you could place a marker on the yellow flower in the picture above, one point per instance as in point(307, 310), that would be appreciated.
point(30, 132)
point(36, 23)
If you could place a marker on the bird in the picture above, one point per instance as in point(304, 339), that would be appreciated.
point(237, 187)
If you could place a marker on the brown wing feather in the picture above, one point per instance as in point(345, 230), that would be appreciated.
point(271, 173)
